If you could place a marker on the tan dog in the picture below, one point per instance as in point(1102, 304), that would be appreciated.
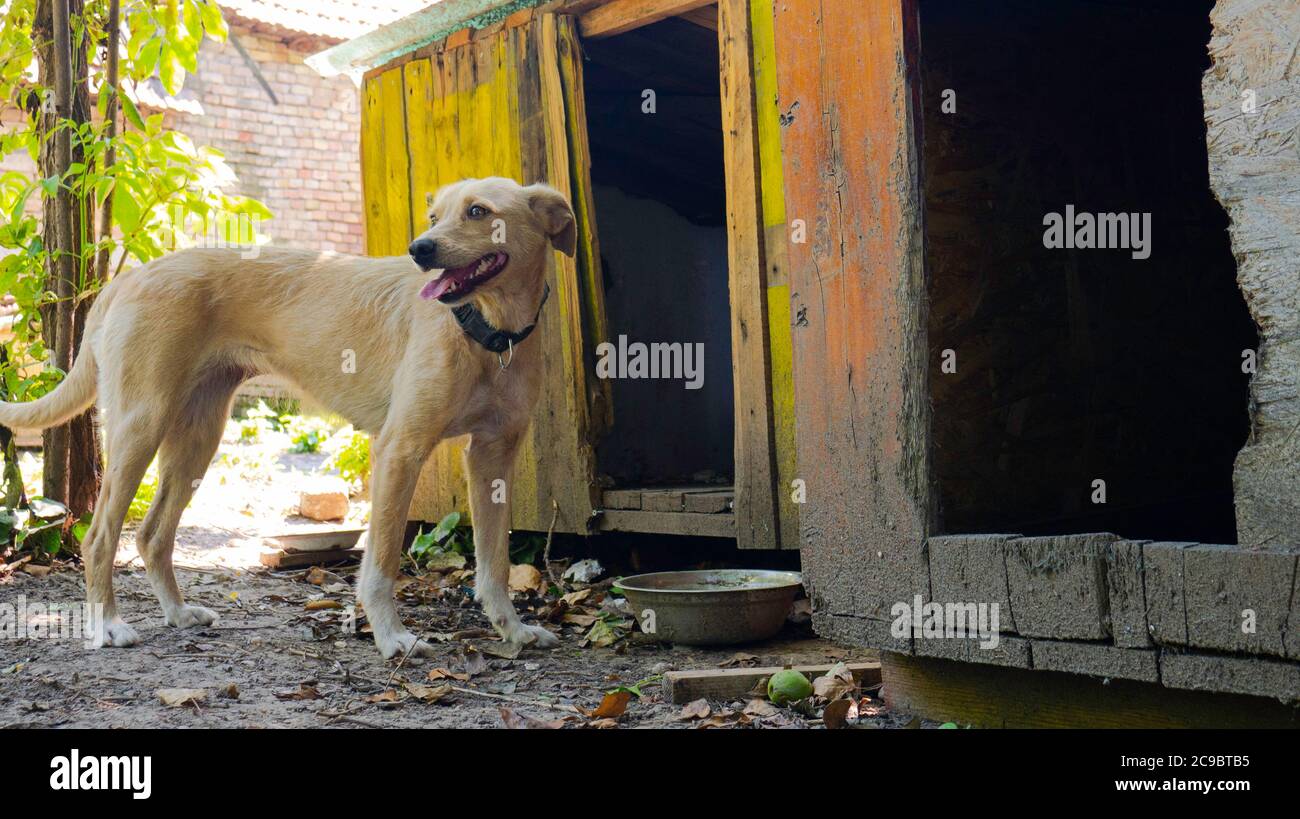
point(167, 344)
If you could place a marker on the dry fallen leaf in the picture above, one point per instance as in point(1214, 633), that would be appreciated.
point(839, 712)
point(444, 674)
point(513, 720)
point(387, 695)
point(525, 578)
point(761, 708)
point(319, 605)
point(739, 660)
point(697, 709)
point(613, 705)
point(306, 691)
point(427, 693)
point(574, 598)
point(834, 684)
point(230, 691)
point(177, 697)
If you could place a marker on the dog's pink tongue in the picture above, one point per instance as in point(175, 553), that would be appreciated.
point(436, 287)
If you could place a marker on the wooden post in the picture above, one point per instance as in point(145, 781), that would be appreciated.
point(847, 85)
point(755, 503)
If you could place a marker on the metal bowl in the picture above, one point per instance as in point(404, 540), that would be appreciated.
point(711, 607)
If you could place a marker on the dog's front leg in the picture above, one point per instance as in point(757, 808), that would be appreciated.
point(398, 456)
point(490, 464)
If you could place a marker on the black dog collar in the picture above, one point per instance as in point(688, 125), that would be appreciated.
point(490, 338)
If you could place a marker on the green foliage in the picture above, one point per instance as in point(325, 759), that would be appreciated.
point(447, 537)
point(352, 460)
point(526, 549)
point(167, 193)
point(306, 434)
point(144, 494)
point(34, 526)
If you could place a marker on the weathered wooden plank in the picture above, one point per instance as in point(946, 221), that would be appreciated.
point(618, 16)
point(1162, 565)
point(663, 500)
point(755, 474)
point(1254, 676)
point(767, 124)
point(1255, 173)
point(991, 697)
point(972, 569)
point(847, 84)
point(861, 631)
point(709, 503)
point(735, 683)
point(1097, 660)
point(1009, 651)
point(278, 559)
point(1058, 586)
point(666, 523)
point(1126, 594)
point(621, 498)
point(1238, 600)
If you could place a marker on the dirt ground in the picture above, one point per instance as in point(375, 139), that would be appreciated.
point(271, 661)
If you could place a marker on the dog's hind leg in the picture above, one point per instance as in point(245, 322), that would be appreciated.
point(133, 438)
point(487, 461)
point(186, 451)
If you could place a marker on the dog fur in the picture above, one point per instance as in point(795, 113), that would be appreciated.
point(167, 344)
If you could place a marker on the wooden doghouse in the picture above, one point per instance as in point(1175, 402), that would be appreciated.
point(647, 115)
point(1100, 437)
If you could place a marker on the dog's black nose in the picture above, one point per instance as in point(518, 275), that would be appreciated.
point(423, 250)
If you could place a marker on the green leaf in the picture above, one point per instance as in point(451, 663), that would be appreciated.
point(170, 70)
point(132, 113)
point(213, 21)
point(446, 526)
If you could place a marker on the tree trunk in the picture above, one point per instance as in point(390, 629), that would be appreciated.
point(62, 59)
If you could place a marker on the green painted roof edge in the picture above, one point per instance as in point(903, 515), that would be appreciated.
point(413, 31)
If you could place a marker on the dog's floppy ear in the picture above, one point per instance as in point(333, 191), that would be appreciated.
point(556, 216)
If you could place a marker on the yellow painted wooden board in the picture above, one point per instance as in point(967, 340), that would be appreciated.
point(505, 104)
point(767, 121)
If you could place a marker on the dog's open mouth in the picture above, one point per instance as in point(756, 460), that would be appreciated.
point(458, 282)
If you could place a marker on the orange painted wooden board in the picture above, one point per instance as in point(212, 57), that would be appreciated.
point(846, 79)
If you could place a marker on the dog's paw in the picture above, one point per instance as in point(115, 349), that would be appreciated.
point(535, 636)
point(187, 616)
point(403, 644)
point(113, 633)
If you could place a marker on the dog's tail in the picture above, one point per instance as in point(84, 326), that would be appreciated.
point(73, 395)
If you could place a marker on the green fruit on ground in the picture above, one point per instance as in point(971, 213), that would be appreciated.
point(788, 686)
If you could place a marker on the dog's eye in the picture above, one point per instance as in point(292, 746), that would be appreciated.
point(433, 220)
point(476, 212)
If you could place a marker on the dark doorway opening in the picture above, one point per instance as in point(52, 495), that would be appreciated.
point(1074, 366)
point(654, 123)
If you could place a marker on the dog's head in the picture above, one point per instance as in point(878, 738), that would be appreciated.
point(485, 234)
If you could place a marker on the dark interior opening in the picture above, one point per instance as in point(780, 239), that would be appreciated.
point(1078, 365)
point(654, 124)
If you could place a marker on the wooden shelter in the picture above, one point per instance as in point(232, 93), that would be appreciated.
point(925, 393)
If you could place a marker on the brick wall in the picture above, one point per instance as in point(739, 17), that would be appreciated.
point(300, 156)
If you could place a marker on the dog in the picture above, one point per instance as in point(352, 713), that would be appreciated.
point(413, 349)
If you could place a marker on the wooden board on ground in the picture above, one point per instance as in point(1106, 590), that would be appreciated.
point(280, 559)
point(735, 683)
